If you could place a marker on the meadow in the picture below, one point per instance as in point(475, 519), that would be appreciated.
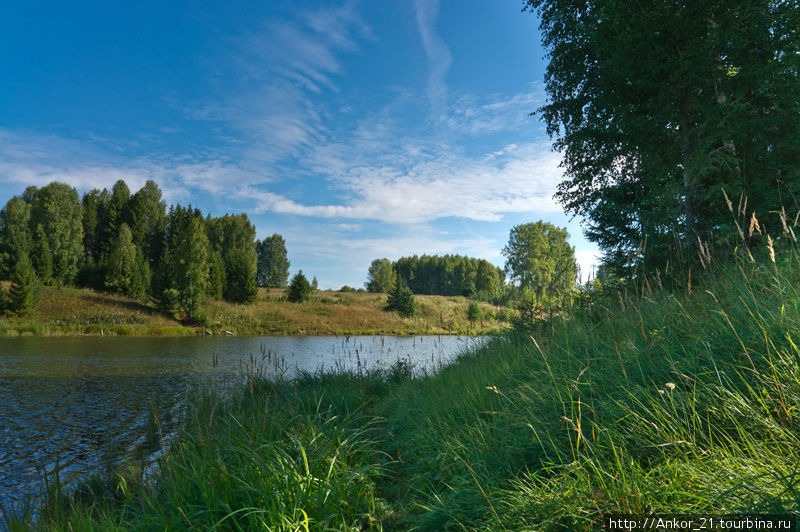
point(79, 311)
point(681, 399)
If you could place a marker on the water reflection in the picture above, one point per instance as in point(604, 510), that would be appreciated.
point(82, 404)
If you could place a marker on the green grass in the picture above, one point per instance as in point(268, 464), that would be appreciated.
point(69, 311)
point(658, 402)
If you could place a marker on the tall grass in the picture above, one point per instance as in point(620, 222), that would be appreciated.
point(652, 401)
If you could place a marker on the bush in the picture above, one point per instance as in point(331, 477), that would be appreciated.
point(299, 288)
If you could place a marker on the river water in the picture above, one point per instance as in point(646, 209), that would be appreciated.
point(80, 405)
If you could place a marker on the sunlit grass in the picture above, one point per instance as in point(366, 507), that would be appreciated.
point(77, 311)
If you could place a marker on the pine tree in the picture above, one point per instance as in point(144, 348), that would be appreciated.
point(26, 289)
point(299, 288)
point(401, 299)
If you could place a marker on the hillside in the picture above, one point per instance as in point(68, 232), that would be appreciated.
point(75, 311)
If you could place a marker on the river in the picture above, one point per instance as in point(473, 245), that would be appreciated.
point(80, 405)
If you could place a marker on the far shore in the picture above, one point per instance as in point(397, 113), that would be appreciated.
point(70, 311)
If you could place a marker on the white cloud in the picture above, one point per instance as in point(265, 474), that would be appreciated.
point(439, 56)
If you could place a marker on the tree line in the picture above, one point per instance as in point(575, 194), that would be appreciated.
point(133, 245)
point(540, 265)
point(444, 275)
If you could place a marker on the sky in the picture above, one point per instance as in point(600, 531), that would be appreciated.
point(357, 130)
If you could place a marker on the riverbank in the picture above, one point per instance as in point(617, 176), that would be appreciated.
point(665, 403)
point(74, 311)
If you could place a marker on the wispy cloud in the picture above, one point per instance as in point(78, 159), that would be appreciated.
point(276, 75)
point(439, 56)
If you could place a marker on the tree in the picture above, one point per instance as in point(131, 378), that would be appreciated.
point(42, 258)
point(240, 275)
point(273, 263)
point(121, 262)
point(540, 260)
point(115, 213)
point(401, 299)
point(26, 289)
point(232, 236)
point(656, 105)
point(474, 312)
point(216, 275)
point(299, 288)
point(15, 234)
point(146, 215)
point(94, 204)
point(184, 265)
point(57, 209)
point(314, 283)
point(380, 277)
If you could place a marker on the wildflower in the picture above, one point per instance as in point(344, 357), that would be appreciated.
point(662, 392)
point(670, 385)
point(493, 389)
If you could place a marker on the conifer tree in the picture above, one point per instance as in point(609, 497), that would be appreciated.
point(299, 288)
point(401, 299)
point(26, 289)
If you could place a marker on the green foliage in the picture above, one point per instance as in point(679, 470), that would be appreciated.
point(42, 259)
point(15, 234)
point(657, 105)
point(26, 289)
point(240, 275)
point(541, 261)
point(401, 299)
point(474, 312)
point(381, 277)
point(94, 204)
point(146, 215)
point(57, 210)
point(299, 288)
point(121, 262)
point(169, 301)
point(140, 280)
point(450, 275)
point(314, 283)
point(216, 275)
point(273, 263)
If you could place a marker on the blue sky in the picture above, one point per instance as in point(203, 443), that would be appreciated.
point(357, 130)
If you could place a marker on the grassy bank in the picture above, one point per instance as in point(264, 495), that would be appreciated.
point(75, 311)
point(662, 402)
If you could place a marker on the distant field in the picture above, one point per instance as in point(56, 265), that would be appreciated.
point(77, 311)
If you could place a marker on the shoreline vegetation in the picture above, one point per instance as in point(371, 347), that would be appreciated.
point(675, 400)
point(70, 311)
